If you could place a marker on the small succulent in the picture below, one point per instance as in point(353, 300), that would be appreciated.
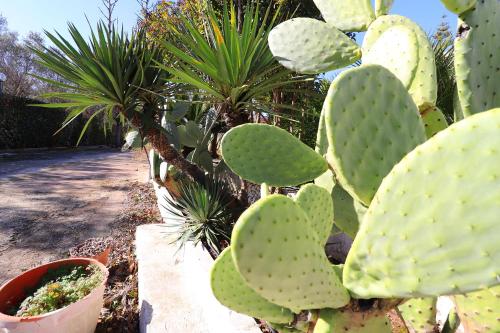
point(204, 214)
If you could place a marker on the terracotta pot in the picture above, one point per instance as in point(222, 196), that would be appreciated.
point(79, 317)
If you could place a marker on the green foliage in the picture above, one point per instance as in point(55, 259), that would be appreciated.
point(59, 288)
point(25, 126)
point(204, 214)
point(112, 73)
point(442, 44)
point(232, 69)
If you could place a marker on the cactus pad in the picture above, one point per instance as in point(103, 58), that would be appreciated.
point(369, 133)
point(311, 46)
point(382, 7)
point(321, 137)
point(479, 311)
point(231, 290)
point(477, 63)
point(419, 314)
point(434, 121)
point(154, 164)
point(279, 255)
point(432, 230)
point(164, 171)
point(352, 15)
point(402, 63)
point(317, 203)
point(423, 87)
point(334, 321)
point(459, 6)
point(267, 154)
point(347, 212)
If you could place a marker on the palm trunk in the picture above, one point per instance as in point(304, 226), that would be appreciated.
point(160, 143)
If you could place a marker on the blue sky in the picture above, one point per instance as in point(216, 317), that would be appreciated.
point(35, 15)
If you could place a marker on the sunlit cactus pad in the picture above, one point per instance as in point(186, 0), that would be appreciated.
point(432, 226)
point(317, 203)
point(382, 51)
point(423, 86)
point(279, 255)
point(372, 122)
point(332, 321)
point(231, 290)
point(434, 121)
point(267, 154)
point(459, 6)
point(419, 314)
point(352, 15)
point(382, 7)
point(322, 46)
point(480, 311)
point(477, 59)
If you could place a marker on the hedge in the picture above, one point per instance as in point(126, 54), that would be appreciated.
point(25, 126)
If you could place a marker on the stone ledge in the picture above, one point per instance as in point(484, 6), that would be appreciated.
point(174, 289)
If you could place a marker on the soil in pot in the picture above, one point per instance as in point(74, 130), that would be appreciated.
point(59, 288)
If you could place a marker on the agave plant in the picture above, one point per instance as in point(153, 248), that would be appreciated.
point(117, 74)
point(233, 68)
point(204, 214)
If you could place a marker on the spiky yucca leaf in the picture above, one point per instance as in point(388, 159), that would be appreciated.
point(232, 68)
point(204, 214)
point(107, 73)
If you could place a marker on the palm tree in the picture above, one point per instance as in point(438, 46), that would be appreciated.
point(232, 68)
point(113, 73)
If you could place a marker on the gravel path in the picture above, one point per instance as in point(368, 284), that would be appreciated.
point(51, 201)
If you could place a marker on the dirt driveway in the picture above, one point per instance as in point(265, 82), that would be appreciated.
point(51, 201)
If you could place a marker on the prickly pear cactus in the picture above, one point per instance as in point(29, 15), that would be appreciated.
point(164, 171)
point(231, 290)
point(382, 7)
point(421, 202)
point(391, 128)
point(154, 164)
point(479, 311)
point(317, 204)
point(419, 73)
point(420, 314)
point(352, 15)
point(280, 255)
point(390, 255)
point(477, 64)
point(267, 154)
point(459, 6)
point(347, 213)
point(332, 321)
point(404, 63)
point(325, 47)
point(434, 121)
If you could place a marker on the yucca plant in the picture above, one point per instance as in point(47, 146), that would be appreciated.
point(204, 214)
point(117, 75)
point(232, 68)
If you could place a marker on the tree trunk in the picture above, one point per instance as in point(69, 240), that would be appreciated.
point(160, 143)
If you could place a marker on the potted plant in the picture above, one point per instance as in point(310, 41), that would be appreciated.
point(61, 296)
